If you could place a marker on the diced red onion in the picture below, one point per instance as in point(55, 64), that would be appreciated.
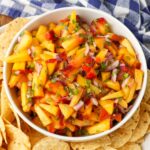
point(38, 68)
point(125, 82)
point(122, 65)
point(17, 72)
point(116, 101)
point(95, 82)
point(79, 105)
point(94, 44)
point(113, 65)
point(29, 51)
point(94, 101)
point(29, 83)
point(114, 75)
point(87, 49)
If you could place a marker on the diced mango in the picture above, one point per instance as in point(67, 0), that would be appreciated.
point(57, 30)
point(99, 127)
point(52, 26)
point(123, 103)
point(14, 80)
point(44, 118)
point(37, 86)
point(75, 99)
point(26, 41)
point(41, 32)
point(105, 75)
point(113, 95)
point(131, 93)
point(48, 55)
point(125, 42)
point(50, 108)
point(72, 43)
point(100, 57)
point(108, 105)
point(25, 102)
point(111, 49)
point(51, 67)
point(113, 85)
point(126, 91)
point(138, 75)
point(19, 57)
point(48, 45)
point(19, 66)
point(81, 123)
point(66, 110)
point(100, 42)
point(81, 81)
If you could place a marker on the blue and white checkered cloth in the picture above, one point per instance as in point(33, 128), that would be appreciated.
point(135, 14)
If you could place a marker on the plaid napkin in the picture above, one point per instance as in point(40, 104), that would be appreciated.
point(135, 14)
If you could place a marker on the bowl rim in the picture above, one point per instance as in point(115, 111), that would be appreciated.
point(81, 138)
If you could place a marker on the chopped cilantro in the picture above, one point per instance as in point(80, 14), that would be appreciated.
point(125, 75)
point(88, 82)
point(74, 21)
point(53, 80)
point(81, 132)
point(108, 43)
point(103, 65)
point(90, 39)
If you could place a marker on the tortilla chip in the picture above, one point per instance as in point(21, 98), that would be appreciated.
point(15, 145)
point(35, 136)
point(3, 129)
point(16, 117)
point(133, 122)
point(142, 126)
point(15, 134)
point(130, 146)
point(51, 144)
point(147, 92)
point(140, 141)
point(106, 148)
point(11, 29)
point(122, 135)
point(6, 111)
point(92, 145)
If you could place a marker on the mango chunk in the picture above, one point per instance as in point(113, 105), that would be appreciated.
point(42, 116)
point(50, 108)
point(113, 85)
point(66, 110)
point(138, 74)
point(113, 95)
point(108, 105)
point(99, 127)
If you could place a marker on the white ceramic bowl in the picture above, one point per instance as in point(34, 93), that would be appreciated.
point(88, 15)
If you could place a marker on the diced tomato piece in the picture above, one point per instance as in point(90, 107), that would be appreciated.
point(124, 68)
point(117, 117)
point(51, 60)
point(51, 128)
point(63, 56)
point(86, 68)
point(64, 20)
point(50, 35)
point(91, 74)
point(89, 60)
point(102, 20)
point(103, 115)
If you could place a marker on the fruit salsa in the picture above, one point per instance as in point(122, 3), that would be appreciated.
point(74, 78)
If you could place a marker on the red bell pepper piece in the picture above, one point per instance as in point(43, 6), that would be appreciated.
point(103, 115)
